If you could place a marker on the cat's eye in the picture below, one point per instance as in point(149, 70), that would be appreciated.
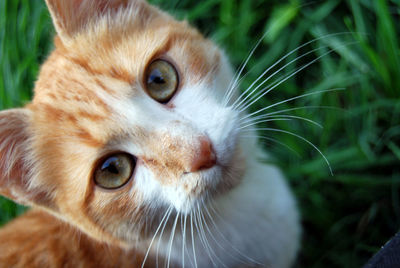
point(114, 171)
point(161, 80)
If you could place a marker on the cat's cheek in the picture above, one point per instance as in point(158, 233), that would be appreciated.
point(114, 212)
point(148, 187)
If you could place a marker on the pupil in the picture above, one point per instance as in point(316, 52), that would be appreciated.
point(112, 169)
point(111, 166)
point(159, 80)
point(156, 77)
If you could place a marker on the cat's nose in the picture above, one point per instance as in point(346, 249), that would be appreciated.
point(205, 156)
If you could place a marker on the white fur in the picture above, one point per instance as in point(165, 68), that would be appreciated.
point(260, 218)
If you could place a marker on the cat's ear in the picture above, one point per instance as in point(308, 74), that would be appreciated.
point(71, 16)
point(14, 146)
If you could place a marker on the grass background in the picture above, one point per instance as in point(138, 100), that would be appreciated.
point(346, 217)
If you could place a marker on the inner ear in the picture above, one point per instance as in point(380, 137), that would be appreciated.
point(14, 147)
point(71, 16)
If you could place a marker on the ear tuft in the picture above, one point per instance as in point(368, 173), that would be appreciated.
point(71, 16)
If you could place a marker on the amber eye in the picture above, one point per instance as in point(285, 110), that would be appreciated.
point(114, 171)
point(161, 80)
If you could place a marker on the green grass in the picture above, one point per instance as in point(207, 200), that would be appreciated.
point(25, 39)
point(346, 217)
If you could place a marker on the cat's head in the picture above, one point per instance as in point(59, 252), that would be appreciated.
point(127, 120)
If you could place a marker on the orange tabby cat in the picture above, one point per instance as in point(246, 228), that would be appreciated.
point(130, 155)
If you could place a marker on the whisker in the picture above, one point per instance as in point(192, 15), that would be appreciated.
point(201, 237)
point(284, 57)
point(291, 99)
point(233, 85)
point(171, 238)
point(263, 121)
point(300, 108)
point(223, 236)
point(236, 105)
point(259, 119)
point(186, 249)
point(268, 89)
point(154, 236)
point(273, 140)
point(191, 230)
point(216, 241)
point(304, 139)
point(183, 231)
point(161, 234)
point(199, 214)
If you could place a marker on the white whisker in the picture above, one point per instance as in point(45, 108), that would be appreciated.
point(268, 89)
point(280, 60)
point(302, 108)
point(183, 231)
point(273, 140)
point(154, 236)
point(233, 84)
point(264, 121)
point(171, 239)
point(223, 236)
point(291, 99)
point(161, 234)
point(191, 230)
point(216, 241)
point(259, 119)
point(242, 102)
point(304, 139)
point(202, 238)
point(201, 221)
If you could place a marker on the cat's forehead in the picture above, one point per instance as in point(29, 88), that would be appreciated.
point(110, 60)
point(124, 51)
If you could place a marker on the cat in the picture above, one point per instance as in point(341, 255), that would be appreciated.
point(130, 153)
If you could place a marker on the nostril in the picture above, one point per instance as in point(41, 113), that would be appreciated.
point(205, 157)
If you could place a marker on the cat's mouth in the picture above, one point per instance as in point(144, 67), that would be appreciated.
point(194, 188)
point(218, 175)
point(202, 186)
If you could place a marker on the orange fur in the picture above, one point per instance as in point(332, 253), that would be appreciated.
point(101, 51)
point(50, 242)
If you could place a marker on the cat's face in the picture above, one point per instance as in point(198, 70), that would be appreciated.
point(127, 120)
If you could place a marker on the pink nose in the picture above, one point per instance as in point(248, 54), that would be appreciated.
point(205, 157)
